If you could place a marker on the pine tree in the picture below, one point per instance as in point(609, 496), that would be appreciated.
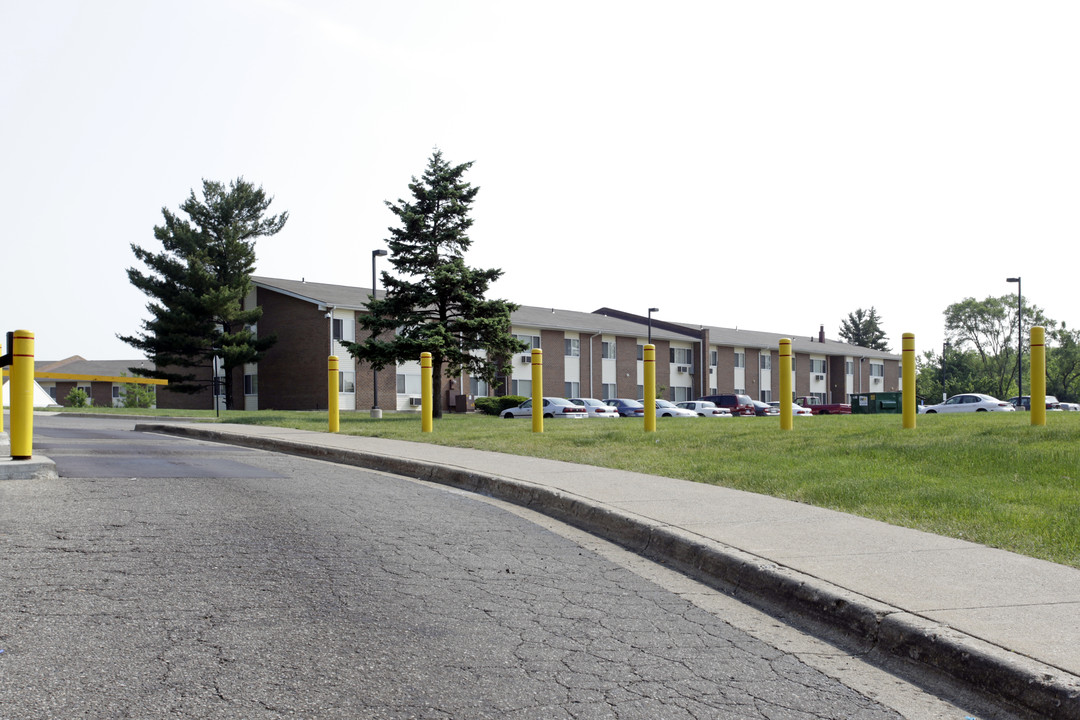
point(863, 328)
point(436, 302)
point(197, 285)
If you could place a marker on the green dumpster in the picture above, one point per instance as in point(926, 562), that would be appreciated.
point(877, 402)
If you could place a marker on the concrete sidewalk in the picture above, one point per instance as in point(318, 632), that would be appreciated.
point(1000, 623)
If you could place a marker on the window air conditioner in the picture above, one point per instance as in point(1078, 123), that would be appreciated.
point(415, 401)
point(819, 377)
point(682, 368)
point(876, 380)
point(526, 359)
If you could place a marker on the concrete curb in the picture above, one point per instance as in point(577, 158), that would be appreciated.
point(1026, 686)
point(38, 467)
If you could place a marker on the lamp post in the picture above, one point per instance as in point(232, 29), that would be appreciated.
point(651, 311)
point(1019, 336)
point(375, 411)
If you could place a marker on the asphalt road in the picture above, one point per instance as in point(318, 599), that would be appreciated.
point(160, 577)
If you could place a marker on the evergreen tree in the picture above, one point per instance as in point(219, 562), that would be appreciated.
point(197, 285)
point(436, 302)
point(863, 328)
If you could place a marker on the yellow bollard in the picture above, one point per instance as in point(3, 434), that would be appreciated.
point(425, 392)
point(1, 404)
point(537, 390)
point(908, 365)
point(332, 393)
point(785, 384)
point(1038, 376)
point(21, 395)
point(650, 388)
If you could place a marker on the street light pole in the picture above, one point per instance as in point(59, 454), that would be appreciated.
point(375, 411)
point(1019, 336)
point(651, 311)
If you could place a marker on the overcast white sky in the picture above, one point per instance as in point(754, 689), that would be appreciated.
point(770, 166)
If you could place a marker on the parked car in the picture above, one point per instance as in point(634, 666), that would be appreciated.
point(665, 408)
point(1023, 402)
point(555, 408)
point(1070, 407)
point(795, 409)
point(596, 408)
point(968, 402)
point(627, 407)
point(704, 408)
point(737, 403)
point(817, 407)
point(761, 409)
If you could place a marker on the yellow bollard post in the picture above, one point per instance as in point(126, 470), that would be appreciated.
point(332, 393)
point(650, 388)
point(1038, 376)
point(785, 384)
point(21, 395)
point(537, 390)
point(1, 404)
point(908, 366)
point(425, 392)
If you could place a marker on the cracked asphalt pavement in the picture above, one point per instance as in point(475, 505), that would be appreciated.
point(208, 581)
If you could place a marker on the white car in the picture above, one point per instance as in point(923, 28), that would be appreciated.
point(968, 402)
point(596, 408)
point(796, 409)
point(668, 409)
point(704, 408)
point(1070, 407)
point(554, 408)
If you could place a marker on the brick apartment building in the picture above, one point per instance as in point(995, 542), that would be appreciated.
point(586, 354)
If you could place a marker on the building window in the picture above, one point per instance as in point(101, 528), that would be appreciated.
point(116, 392)
point(408, 384)
point(641, 391)
point(714, 358)
point(251, 384)
point(610, 390)
point(849, 367)
point(681, 356)
point(346, 382)
point(607, 350)
point(343, 329)
point(817, 366)
point(52, 391)
point(766, 396)
point(819, 398)
point(681, 394)
point(478, 387)
point(533, 341)
point(573, 348)
point(740, 359)
point(571, 389)
point(640, 352)
point(740, 391)
point(766, 361)
point(521, 387)
point(877, 369)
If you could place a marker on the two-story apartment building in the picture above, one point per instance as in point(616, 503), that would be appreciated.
point(586, 354)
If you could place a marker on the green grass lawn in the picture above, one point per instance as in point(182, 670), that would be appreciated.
point(986, 477)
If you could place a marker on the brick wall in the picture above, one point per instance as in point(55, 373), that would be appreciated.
point(292, 374)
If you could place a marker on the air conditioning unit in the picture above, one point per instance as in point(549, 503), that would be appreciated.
point(526, 359)
point(682, 368)
point(819, 377)
point(712, 369)
point(416, 402)
point(876, 380)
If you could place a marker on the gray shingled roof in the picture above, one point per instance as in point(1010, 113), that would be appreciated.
point(355, 298)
